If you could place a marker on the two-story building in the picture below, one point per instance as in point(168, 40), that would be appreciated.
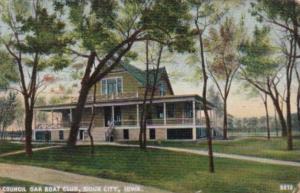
point(118, 104)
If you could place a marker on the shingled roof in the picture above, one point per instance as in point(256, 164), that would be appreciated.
point(140, 75)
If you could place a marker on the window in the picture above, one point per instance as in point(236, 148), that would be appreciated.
point(61, 135)
point(126, 134)
point(112, 86)
point(159, 111)
point(171, 110)
point(152, 134)
point(162, 89)
point(179, 133)
point(188, 110)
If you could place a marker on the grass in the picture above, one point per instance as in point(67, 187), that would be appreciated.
point(254, 146)
point(7, 146)
point(178, 172)
point(10, 182)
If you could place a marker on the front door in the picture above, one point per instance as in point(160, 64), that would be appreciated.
point(107, 116)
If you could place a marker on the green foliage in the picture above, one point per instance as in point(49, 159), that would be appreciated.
point(223, 44)
point(258, 55)
point(280, 10)
point(205, 14)
point(36, 33)
point(8, 110)
point(8, 70)
point(102, 26)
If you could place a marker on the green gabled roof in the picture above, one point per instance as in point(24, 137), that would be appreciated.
point(140, 75)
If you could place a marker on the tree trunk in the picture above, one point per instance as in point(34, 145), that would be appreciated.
point(92, 122)
point(207, 119)
point(28, 127)
point(289, 121)
point(225, 120)
point(276, 123)
point(280, 116)
point(298, 104)
point(144, 113)
point(77, 116)
point(267, 116)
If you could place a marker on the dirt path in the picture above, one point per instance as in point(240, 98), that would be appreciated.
point(59, 178)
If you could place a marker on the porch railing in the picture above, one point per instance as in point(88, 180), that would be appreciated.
point(126, 123)
point(128, 95)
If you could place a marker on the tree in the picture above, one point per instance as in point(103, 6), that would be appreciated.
point(284, 14)
point(7, 112)
point(286, 18)
point(34, 39)
point(203, 11)
point(150, 89)
point(106, 31)
point(223, 45)
point(261, 69)
point(290, 52)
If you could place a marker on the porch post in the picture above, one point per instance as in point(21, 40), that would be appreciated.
point(211, 116)
point(113, 114)
point(34, 125)
point(165, 114)
point(200, 117)
point(52, 121)
point(137, 115)
point(194, 121)
point(194, 113)
point(70, 116)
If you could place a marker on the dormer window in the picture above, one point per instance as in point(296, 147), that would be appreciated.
point(112, 86)
point(162, 89)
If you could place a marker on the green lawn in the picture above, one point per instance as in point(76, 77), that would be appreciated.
point(178, 172)
point(7, 146)
point(10, 182)
point(255, 146)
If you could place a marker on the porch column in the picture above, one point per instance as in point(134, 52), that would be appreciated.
point(165, 114)
point(113, 114)
point(70, 116)
point(194, 121)
point(137, 115)
point(194, 113)
point(52, 119)
point(200, 117)
point(34, 135)
point(34, 115)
